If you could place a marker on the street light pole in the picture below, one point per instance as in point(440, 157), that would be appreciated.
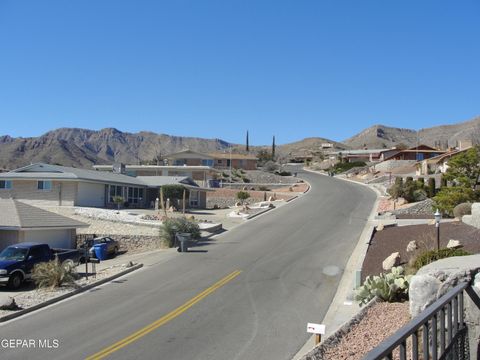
point(438, 217)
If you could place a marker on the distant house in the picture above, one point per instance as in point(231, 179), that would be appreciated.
point(53, 185)
point(417, 153)
point(437, 164)
point(199, 173)
point(21, 222)
point(366, 155)
point(234, 161)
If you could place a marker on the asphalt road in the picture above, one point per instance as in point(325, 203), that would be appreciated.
point(285, 267)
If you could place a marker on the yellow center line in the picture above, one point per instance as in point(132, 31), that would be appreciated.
point(164, 319)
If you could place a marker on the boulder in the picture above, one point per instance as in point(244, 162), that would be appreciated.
point(391, 261)
point(454, 244)
point(380, 227)
point(474, 218)
point(412, 246)
point(401, 201)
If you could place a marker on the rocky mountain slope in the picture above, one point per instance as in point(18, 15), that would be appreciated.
point(380, 136)
point(83, 148)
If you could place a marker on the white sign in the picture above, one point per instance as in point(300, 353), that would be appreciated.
point(316, 328)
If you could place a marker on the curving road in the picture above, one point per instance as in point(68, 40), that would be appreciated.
point(277, 273)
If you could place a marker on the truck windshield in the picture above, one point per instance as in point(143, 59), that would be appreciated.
point(12, 253)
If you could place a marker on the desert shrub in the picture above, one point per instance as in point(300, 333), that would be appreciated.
point(462, 209)
point(391, 287)
point(434, 255)
point(342, 167)
point(178, 225)
point(245, 179)
point(419, 195)
point(53, 274)
point(449, 197)
point(242, 196)
point(174, 191)
point(284, 173)
point(263, 188)
point(270, 166)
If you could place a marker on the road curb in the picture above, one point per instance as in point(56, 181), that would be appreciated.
point(70, 294)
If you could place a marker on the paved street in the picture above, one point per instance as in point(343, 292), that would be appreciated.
point(284, 268)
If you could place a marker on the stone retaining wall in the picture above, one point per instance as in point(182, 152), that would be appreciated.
point(135, 243)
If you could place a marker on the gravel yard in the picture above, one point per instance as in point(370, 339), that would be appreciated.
point(380, 321)
point(396, 239)
point(32, 296)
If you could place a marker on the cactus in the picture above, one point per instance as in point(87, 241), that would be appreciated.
point(391, 287)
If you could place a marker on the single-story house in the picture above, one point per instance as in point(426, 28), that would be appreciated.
point(417, 153)
point(21, 222)
point(366, 155)
point(437, 164)
point(53, 185)
point(215, 160)
point(199, 173)
point(234, 161)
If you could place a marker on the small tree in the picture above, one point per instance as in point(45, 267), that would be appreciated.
point(174, 192)
point(464, 168)
point(449, 197)
point(273, 148)
point(431, 187)
point(118, 200)
point(242, 196)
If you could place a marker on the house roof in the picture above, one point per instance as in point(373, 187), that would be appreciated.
point(17, 215)
point(447, 155)
point(158, 181)
point(232, 156)
point(188, 152)
point(56, 172)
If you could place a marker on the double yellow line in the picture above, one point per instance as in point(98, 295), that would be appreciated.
point(164, 319)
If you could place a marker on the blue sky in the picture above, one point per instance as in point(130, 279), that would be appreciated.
point(292, 69)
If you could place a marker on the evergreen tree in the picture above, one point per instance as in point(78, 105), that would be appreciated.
point(247, 147)
point(273, 148)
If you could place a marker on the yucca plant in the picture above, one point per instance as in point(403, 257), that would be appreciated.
point(53, 274)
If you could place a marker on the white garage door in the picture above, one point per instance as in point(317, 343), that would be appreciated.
point(54, 238)
point(90, 194)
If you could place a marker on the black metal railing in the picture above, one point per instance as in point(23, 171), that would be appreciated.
point(437, 333)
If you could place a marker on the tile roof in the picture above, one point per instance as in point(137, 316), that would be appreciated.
point(18, 215)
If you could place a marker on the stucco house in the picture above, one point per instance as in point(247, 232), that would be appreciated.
point(53, 185)
point(21, 222)
point(213, 160)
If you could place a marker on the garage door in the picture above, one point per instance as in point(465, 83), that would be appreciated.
point(54, 238)
point(90, 194)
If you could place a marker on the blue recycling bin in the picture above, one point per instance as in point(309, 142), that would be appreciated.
point(101, 251)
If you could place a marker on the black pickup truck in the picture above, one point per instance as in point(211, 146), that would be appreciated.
point(17, 261)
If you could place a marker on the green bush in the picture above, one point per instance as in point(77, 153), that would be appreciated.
point(284, 173)
point(419, 195)
point(391, 287)
point(174, 191)
point(431, 187)
point(178, 225)
point(342, 167)
point(449, 197)
point(462, 209)
point(52, 274)
point(242, 196)
point(245, 179)
point(434, 255)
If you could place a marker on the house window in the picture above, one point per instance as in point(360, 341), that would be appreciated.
point(5, 184)
point(207, 162)
point(180, 162)
point(44, 185)
point(115, 191)
point(135, 195)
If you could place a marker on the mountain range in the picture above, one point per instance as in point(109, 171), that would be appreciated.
point(83, 147)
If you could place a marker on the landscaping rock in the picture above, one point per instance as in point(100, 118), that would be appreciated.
point(412, 246)
point(380, 227)
point(420, 208)
point(474, 219)
point(391, 261)
point(435, 279)
point(453, 244)
point(7, 303)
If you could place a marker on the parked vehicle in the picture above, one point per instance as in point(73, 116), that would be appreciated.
point(112, 245)
point(17, 261)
